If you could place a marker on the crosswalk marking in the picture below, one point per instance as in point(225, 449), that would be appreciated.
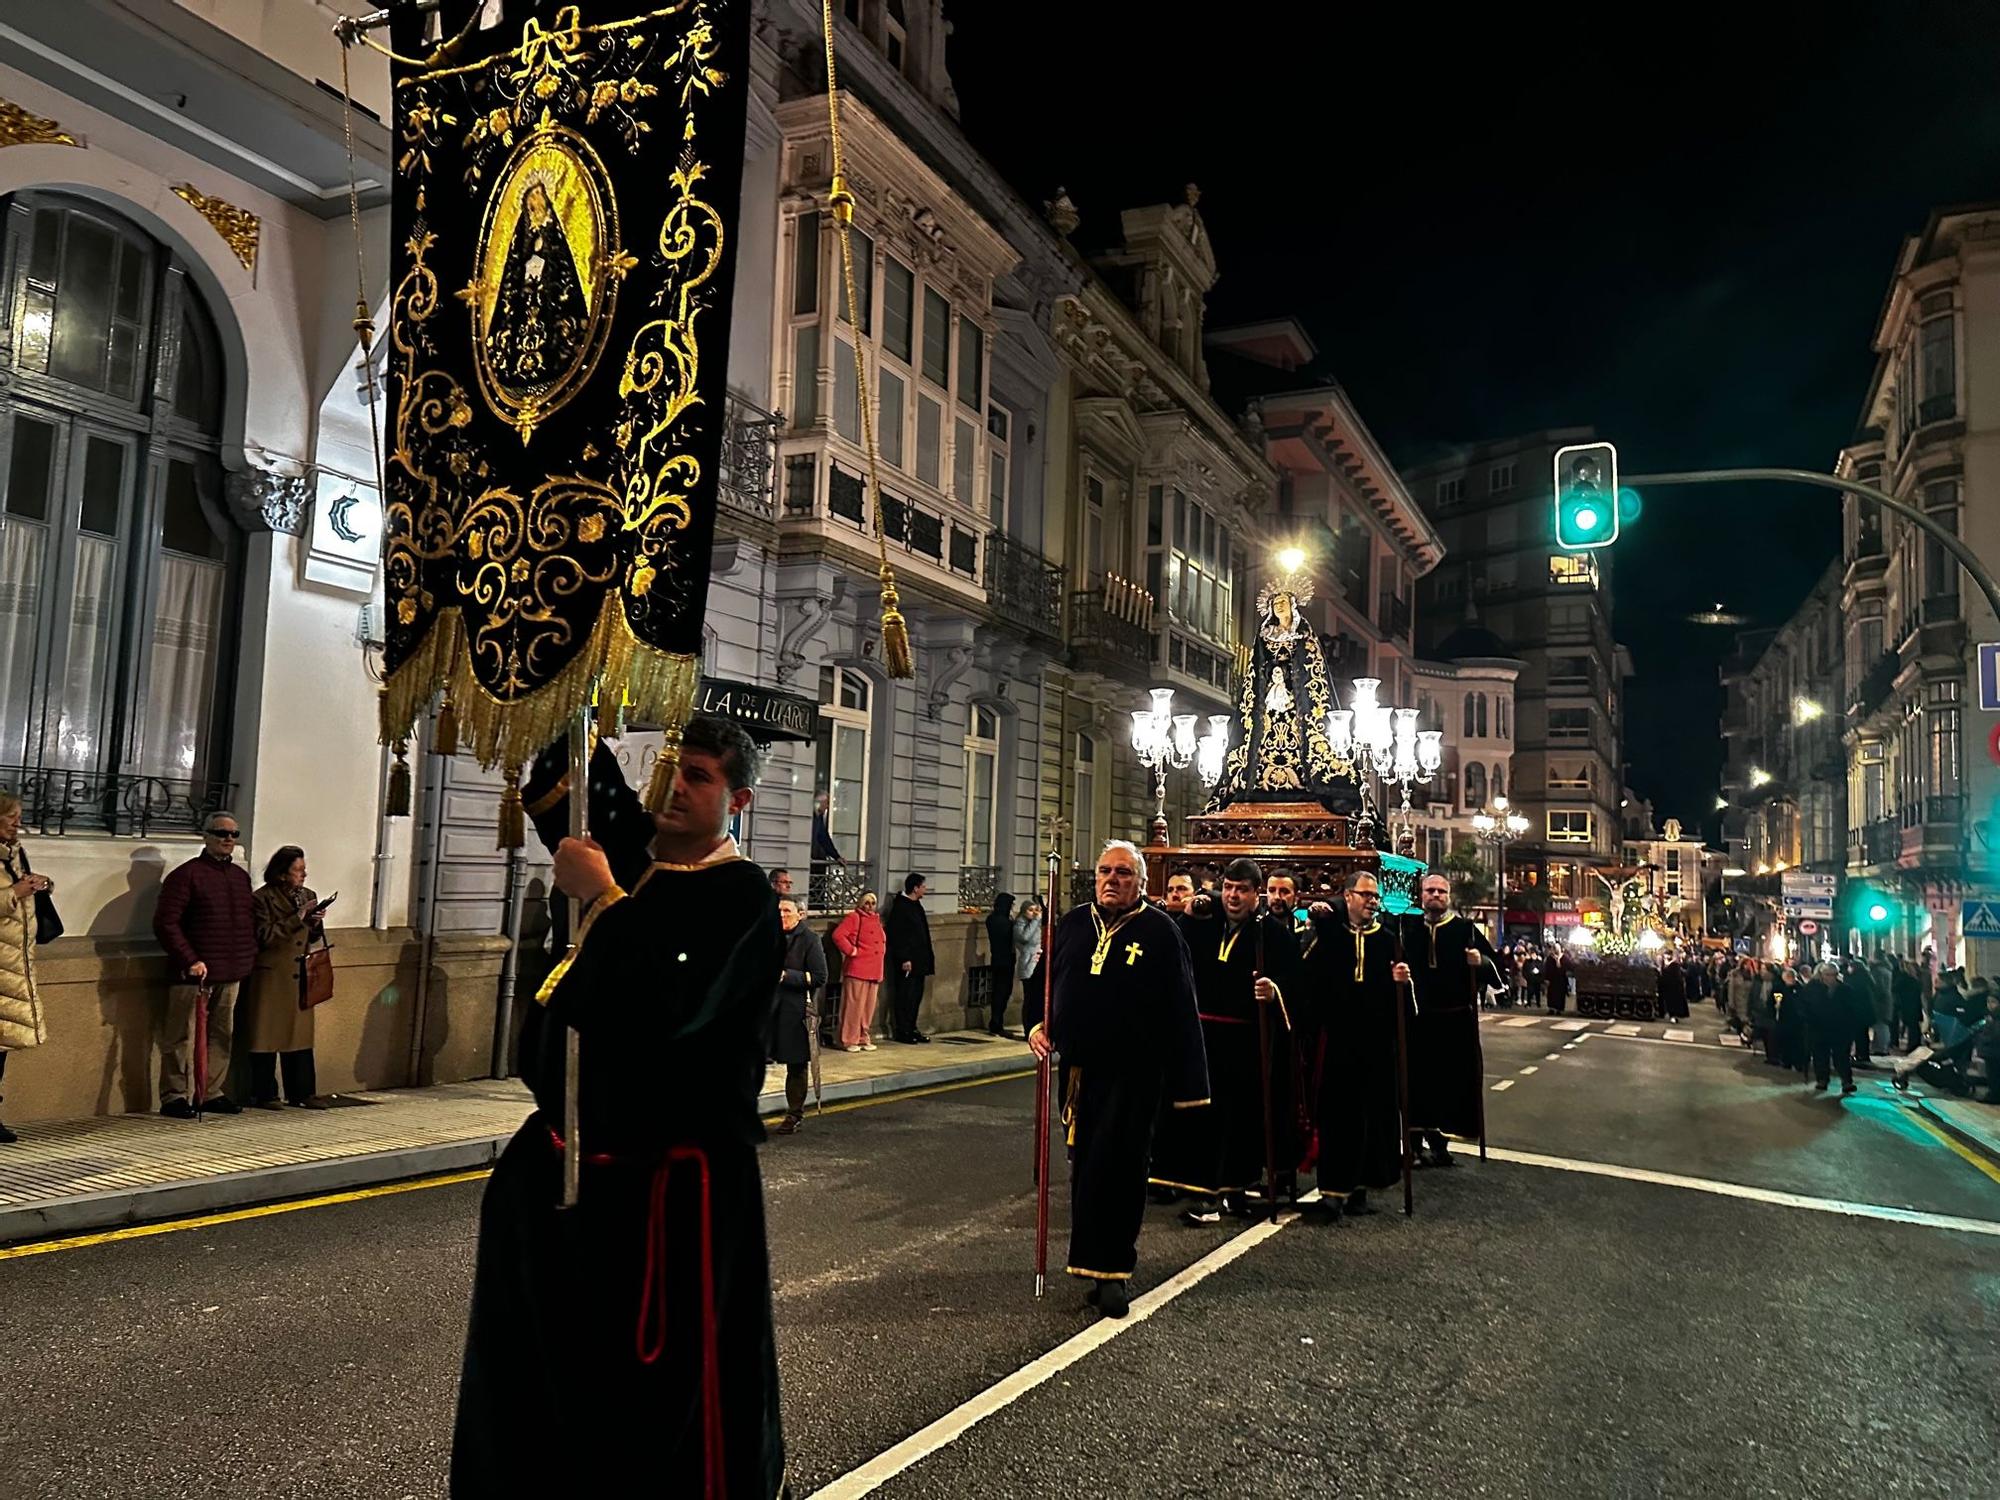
point(1522, 1021)
point(1628, 1029)
point(1677, 1034)
point(1728, 1039)
point(1571, 1025)
point(1531, 1068)
point(1503, 1085)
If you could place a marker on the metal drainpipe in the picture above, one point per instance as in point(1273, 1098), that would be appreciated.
point(378, 894)
point(427, 939)
point(503, 1010)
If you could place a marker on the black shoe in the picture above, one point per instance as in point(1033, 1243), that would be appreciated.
point(918, 1036)
point(1358, 1205)
point(178, 1109)
point(316, 1102)
point(1201, 1218)
point(7, 1137)
point(1237, 1206)
point(1848, 1088)
point(790, 1125)
point(1819, 1088)
point(1113, 1300)
point(265, 1104)
point(220, 1105)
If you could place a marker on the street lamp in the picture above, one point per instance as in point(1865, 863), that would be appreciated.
point(1369, 736)
point(1164, 738)
point(1499, 828)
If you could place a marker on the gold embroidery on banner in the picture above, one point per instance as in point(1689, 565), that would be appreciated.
point(19, 128)
point(239, 228)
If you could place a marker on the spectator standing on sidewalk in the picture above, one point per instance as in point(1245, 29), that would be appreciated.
point(1829, 1031)
point(792, 1021)
point(862, 947)
point(205, 921)
point(1000, 963)
point(1908, 989)
point(1028, 952)
point(22, 1024)
point(781, 883)
point(911, 959)
point(1883, 974)
point(279, 1031)
point(1740, 990)
point(1534, 969)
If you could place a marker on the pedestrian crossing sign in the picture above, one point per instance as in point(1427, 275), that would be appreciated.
point(1980, 919)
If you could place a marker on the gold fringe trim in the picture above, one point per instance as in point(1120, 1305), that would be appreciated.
point(660, 686)
point(397, 802)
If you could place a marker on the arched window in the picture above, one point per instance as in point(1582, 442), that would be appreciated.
point(1471, 716)
point(1480, 698)
point(1499, 780)
point(846, 703)
point(118, 564)
point(1086, 846)
point(982, 784)
point(1475, 784)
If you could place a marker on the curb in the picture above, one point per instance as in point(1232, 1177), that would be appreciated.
point(1951, 1128)
point(123, 1207)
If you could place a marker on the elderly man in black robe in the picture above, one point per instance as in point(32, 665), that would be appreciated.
point(639, 1321)
point(1353, 981)
point(1242, 958)
point(1123, 1021)
point(1448, 958)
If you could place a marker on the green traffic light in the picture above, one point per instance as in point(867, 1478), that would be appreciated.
point(1588, 501)
point(1586, 517)
point(1878, 913)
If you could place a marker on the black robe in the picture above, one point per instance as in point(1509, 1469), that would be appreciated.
point(1128, 1036)
point(1357, 1112)
point(1219, 1148)
point(633, 1332)
point(1445, 1071)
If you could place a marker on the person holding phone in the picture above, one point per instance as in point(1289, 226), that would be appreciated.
point(289, 918)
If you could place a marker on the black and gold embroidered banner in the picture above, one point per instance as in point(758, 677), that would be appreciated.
point(564, 219)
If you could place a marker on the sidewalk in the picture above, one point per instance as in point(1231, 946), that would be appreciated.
point(67, 1176)
point(1978, 1125)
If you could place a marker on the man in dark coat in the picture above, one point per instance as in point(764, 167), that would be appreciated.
point(637, 1324)
point(1448, 958)
point(999, 961)
point(1351, 977)
point(1242, 958)
point(1908, 990)
point(1831, 1005)
point(1125, 1025)
point(795, 1017)
point(204, 920)
point(911, 960)
point(1673, 990)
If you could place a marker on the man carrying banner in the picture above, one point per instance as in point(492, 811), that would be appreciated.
point(1123, 1020)
point(1242, 958)
point(1353, 979)
point(639, 1322)
point(1448, 957)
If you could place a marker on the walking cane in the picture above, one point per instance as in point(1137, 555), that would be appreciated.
point(1264, 1066)
point(200, 1048)
point(579, 810)
point(1479, 1054)
point(1403, 1080)
point(1045, 1076)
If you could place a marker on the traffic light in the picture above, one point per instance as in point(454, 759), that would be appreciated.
point(1586, 496)
point(1873, 910)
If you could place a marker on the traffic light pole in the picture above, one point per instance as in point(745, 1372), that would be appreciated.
point(1967, 559)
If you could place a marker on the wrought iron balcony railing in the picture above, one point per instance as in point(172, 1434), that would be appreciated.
point(833, 886)
point(977, 886)
point(1109, 623)
point(1023, 586)
point(1882, 841)
point(1875, 685)
point(56, 801)
point(1394, 617)
point(749, 459)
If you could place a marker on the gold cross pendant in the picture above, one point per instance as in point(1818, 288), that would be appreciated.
point(1097, 958)
point(1132, 952)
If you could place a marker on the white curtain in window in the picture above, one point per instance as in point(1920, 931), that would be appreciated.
point(186, 624)
point(93, 648)
point(22, 548)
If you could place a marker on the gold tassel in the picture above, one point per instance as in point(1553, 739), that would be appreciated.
point(617, 729)
point(513, 821)
point(660, 787)
point(896, 656)
point(446, 736)
point(399, 783)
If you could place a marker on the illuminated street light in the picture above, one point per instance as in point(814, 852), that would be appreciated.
point(1651, 941)
point(1804, 711)
point(1291, 559)
point(1163, 738)
point(1499, 828)
point(1721, 803)
point(1759, 776)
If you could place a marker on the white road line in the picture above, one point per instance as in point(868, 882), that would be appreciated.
point(1569, 1046)
point(1627, 1029)
point(1728, 1039)
point(1530, 1069)
point(1553, 1057)
point(1679, 1034)
point(1654, 1041)
point(1879, 1211)
point(1571, 1026)
point(1503, 1085)
point(1522, 1021)
point(948, 1428)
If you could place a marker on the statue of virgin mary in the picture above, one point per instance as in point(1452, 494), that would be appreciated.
point(1281, 752)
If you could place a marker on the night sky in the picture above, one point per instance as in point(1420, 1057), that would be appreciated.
point(1680, 231)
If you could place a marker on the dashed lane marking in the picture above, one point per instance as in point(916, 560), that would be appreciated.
point(1522, 1021)
point(1503, 1085)
point(1569, 1046)
point(954, 1424)
point(1880, 1211)
point(1728, 1039)
point(1679, 1034)
point(1531, 1069)
point(1628, 1029)
point(1553, 1057)
point(1571, 1026)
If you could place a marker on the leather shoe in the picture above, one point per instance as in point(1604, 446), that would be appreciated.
point(1358, 1205)
point(265, 1104)
point(790, 1125)
point(222, 1106)
point(7, 1137)
point(316, 1102)
point(177, 1109)
point(918, 1036)
point(1114, 1301)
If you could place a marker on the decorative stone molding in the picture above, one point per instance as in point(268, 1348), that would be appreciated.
point(19, 128)
point(262, 501)
point(814, 613)
point(238, 227)
point(945, 674)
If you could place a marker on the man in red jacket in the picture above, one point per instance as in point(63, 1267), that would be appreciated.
point(204, 922)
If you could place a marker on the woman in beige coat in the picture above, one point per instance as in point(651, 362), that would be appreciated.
point(21, 1023)
point(288, 918)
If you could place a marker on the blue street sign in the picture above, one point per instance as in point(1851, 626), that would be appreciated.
point(1980, 919)
point(1989, 676)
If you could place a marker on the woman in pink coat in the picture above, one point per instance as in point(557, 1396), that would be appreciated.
point(862, 945)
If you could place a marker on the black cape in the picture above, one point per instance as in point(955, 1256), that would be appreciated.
point(1445, 1071)
point(1219, 1147)
point(592, 1333)
point(1351, 1078)
point(1128, 1036)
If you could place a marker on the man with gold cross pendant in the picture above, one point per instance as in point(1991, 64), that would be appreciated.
point(1123, 1022)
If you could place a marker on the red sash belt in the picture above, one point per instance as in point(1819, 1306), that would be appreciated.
point(1223, 1020)
point(650, 1336)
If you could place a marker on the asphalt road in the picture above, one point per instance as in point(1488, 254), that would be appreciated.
point(1532, 1331)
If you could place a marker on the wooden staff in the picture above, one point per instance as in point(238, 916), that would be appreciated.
point(1045, 1079)
point(1264, 1065)
point(579, 816)
point(200, 1047)
point(1403, 1075)
point(1478, 973)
